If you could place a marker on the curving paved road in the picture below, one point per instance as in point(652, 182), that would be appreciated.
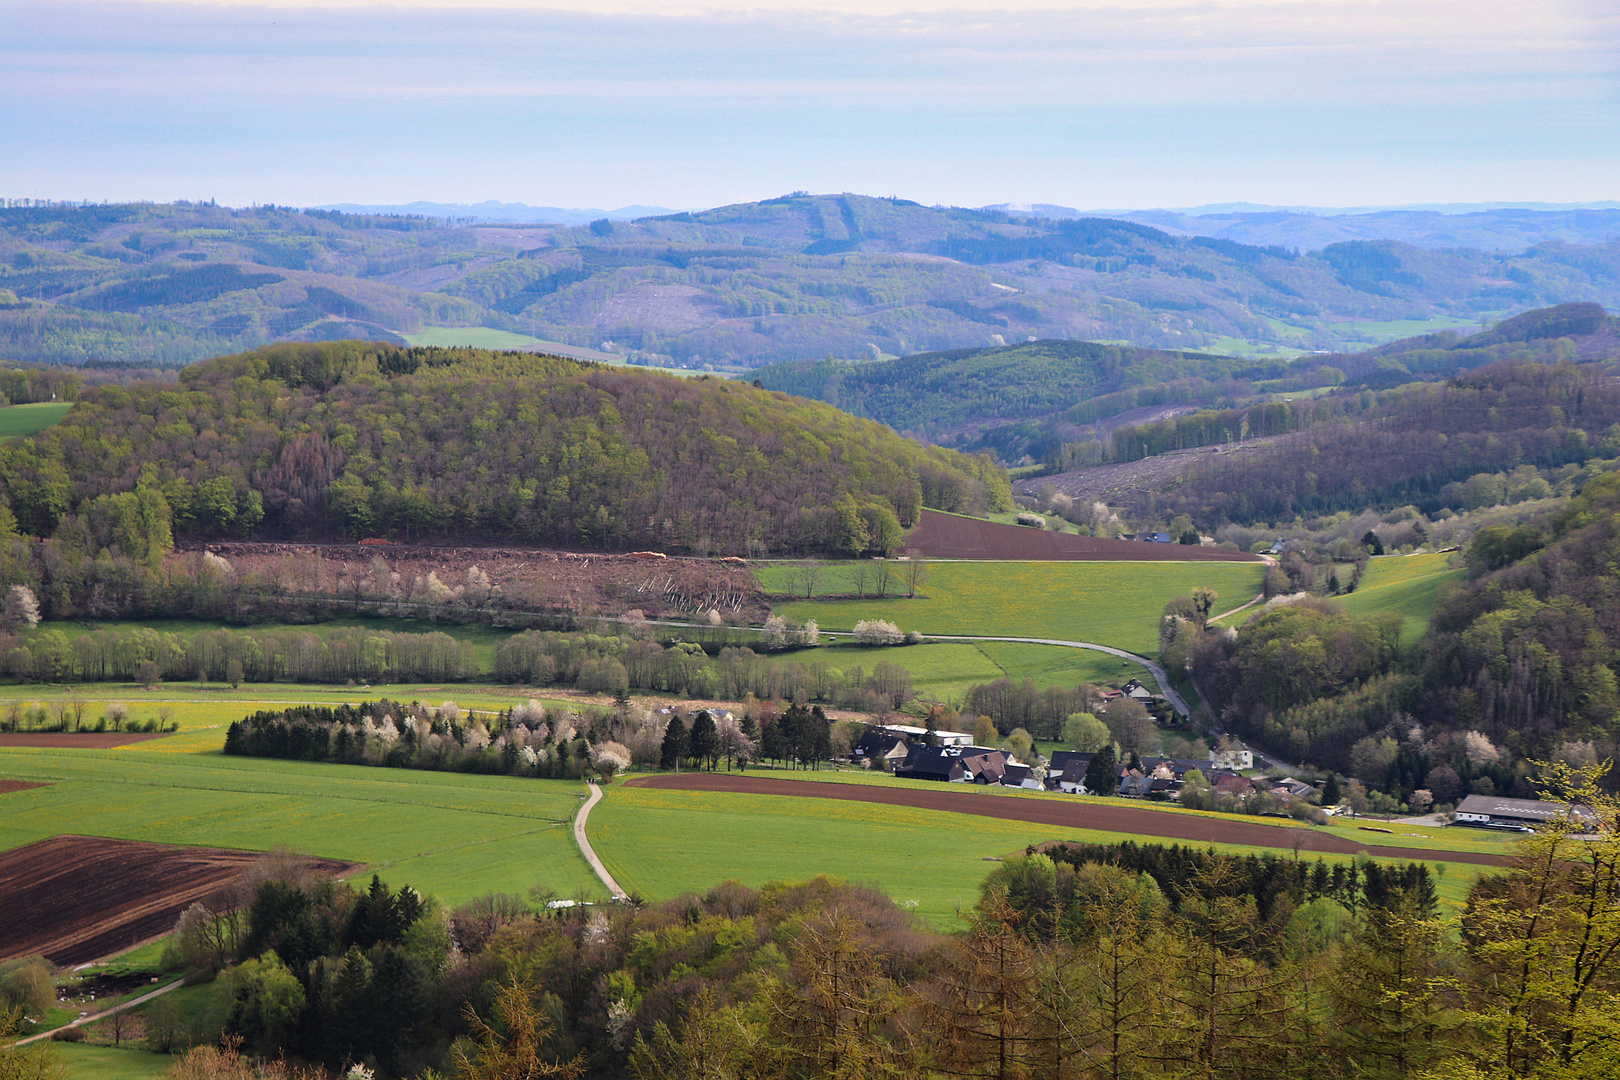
point(585, 848)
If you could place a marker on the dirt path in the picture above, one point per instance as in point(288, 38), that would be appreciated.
point(103, 1014)
point(585, 845)
point(1062, 811)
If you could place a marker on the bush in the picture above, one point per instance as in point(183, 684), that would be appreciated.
point(877, 632)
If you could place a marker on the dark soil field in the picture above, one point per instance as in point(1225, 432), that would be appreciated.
point(18, 785)
point(76, 740)
point(1064, 812)
point(73, 899)
point(946, 536)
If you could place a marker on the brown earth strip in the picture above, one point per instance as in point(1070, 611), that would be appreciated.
point(1062, 812)
point(947, 536)
point(77, 898)
point(19, 785)
point(77, 740)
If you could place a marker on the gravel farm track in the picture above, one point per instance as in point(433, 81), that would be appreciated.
point(1061, 812)
point(73, 899)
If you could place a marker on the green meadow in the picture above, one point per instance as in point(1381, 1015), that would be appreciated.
point(84, 1061)
point(945, 670)
point(1108, 603)
point(661, 843)
point(452, 835)
point(21, 421)
point(1408, 584)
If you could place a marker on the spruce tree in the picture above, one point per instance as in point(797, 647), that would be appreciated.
point(1102, 774)
point(675, 744)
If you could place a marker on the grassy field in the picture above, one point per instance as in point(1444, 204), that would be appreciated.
point(661, 843)
point(1393, 329)
point(943, 671)
point(455, 836)
point(86, 1062)
point(21, 421)
point(1408, 584)
point(1109, 603)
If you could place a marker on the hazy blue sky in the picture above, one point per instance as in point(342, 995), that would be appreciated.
point(1124, 104)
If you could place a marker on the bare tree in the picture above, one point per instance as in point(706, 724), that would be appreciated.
point(859, 573)
point(916, 575)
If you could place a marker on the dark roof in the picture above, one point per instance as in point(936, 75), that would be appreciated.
point(876, 742)
point(1061, 759)
point(1015, 775)
point(936, 762)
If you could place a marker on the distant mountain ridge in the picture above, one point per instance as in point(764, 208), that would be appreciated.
point(733, 288)
point(498, 212)
point(1485, 227)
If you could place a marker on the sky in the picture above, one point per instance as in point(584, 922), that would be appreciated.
point(604, 103)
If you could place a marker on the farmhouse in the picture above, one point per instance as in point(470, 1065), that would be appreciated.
point(1492, 810)
point(1230, 753)
point(955, 764)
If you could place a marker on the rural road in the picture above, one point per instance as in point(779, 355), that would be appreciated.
point(93, 1017)
point(585, 845)
point(1159, 674)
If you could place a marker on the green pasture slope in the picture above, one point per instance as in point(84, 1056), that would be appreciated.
point(1409, 584)
point(661, 843)
point(452, 835)
point(1106, 603)
point(21, 421)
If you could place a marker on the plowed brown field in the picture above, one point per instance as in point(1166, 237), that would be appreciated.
point(77, 898)
point(1069, 813)
point(18, 785)
point(76, 740)
point(946, 536)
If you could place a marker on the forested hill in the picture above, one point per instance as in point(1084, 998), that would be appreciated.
point(736, 287)
point(363, 440)
point(943, 395)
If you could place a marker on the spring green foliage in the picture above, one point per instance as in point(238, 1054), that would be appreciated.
point(359, 440)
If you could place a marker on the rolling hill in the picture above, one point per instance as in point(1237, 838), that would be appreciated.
point(362, 440)
point(733, 288)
